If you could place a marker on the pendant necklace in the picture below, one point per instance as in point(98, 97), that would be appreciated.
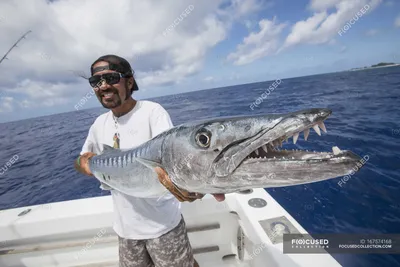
point(116, 135)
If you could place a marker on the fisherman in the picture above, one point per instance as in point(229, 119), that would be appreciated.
point(151, 231)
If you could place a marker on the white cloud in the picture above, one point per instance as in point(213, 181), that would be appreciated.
point(258, 44)
point(397, 21)
point(241, 8)
point(323, 26)
point(6, 104)
point(209, 79)
point(68, 36)
point(371, 32)
point(318, 5)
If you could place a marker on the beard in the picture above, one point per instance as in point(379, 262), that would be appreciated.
point(110, 98)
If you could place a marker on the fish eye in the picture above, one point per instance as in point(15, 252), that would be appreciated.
point(203, 138)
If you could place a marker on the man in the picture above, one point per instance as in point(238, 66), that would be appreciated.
point(151, 231)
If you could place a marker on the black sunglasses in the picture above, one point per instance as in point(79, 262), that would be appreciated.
point(109, 78)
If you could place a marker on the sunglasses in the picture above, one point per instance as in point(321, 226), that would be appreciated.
point(109, 78)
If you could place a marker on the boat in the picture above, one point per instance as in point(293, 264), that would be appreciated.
point(244, 230)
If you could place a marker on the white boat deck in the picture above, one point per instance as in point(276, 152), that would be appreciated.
point(79, 233)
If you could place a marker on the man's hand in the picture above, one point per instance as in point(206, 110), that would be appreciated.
point(181, 194)
point(81, 164)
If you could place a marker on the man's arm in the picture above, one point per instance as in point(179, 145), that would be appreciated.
point(81, 163)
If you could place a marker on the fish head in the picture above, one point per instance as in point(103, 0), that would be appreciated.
point(237, 153)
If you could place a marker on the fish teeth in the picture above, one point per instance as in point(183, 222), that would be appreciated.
point(272, 144)
point(322, 126)
point(264, 147)
point(257, 153)
point(295, 137)
point(306, 133)
point(316, 129)
point(336, 150)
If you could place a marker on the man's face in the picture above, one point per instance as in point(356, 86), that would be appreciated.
point(110, 96)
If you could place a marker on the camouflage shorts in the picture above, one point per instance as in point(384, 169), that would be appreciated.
point(170, 249)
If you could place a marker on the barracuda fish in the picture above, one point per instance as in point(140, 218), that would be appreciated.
point(225, 155)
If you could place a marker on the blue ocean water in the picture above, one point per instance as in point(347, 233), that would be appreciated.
point(365, 119)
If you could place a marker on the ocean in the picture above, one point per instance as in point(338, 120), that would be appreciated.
point(365, 120)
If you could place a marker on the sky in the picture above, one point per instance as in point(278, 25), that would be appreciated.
point(180, 46)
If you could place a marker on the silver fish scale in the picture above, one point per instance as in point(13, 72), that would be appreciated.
point(124, 163)
point(129, 157)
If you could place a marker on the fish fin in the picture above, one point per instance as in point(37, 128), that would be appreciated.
point(103, 186)
point(107, 149)
point(149, 163)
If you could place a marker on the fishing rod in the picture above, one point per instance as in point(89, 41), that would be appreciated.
point(14, 45)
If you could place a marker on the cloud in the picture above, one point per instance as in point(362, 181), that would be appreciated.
point(46, 94)
point(258, 44)
point(323, 26)
point(209, 79)
point(68, 36)
point(242, 8)
point(397, 21)
point(371, 32)
point(318, 5)
point(6, 104)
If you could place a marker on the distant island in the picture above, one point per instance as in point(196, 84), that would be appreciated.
point(379, 65)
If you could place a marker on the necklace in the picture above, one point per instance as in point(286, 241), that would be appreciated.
point(116, 137)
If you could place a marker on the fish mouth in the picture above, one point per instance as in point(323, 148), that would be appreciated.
point(272, 151)
point(263, 152)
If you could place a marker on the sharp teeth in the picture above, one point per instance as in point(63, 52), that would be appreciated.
point(257, 153)
point(295, 137)
point(316, 128)
point(280, 142)
point(336, 150)
point(306, 133)
point(264, 147)
point(322, 126)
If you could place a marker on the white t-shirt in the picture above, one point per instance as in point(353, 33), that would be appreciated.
point(136, 218)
